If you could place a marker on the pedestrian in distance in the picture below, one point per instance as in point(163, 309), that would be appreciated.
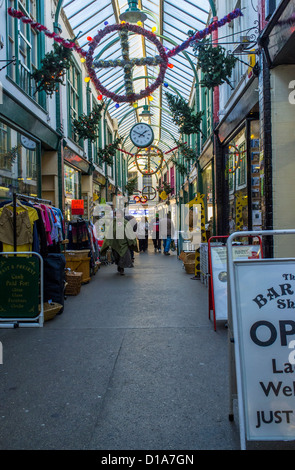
point(142, 234)
point(122, 239)
point(133, 224)
point(166, 232)
point(155, 229)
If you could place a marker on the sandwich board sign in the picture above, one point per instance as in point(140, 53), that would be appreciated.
point(262, 294)
point(21, 289)
point(218, 273)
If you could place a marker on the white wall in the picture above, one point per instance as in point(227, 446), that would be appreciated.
point(283, 157)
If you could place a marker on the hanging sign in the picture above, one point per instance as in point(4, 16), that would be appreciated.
point(264, 293)
point(218, 274)
point(77, 206)
point(19, 287)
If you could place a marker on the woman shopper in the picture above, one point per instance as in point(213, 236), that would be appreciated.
point(122, 240)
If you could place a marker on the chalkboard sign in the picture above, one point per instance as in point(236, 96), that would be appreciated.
point(19, 287)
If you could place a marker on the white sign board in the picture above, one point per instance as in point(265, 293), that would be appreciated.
point(219, 273)
point(264, 320)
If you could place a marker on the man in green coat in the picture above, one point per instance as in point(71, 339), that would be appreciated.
point(121, 239)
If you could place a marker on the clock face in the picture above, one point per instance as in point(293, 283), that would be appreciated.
point(28, 143)
point(142, 135)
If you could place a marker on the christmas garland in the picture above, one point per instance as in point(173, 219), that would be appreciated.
point(183, 116)
point(186, 150)
point(216, 64)
point(107, 154)
point(52, 70)
point(86, 125)
point(164, 63)
point(180, 167)
point(165, 187)
point(131, 185)
point(130, 96)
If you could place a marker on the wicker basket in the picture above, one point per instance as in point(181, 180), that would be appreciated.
point(73, 283)
point(190, 267)
point(79, 261)
point(51, 310)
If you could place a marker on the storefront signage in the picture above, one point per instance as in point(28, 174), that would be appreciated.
point(77, 206)
point(218, 274)
point(263, 312)
point(19, 287)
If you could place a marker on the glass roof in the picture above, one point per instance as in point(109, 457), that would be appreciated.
point(172, 20)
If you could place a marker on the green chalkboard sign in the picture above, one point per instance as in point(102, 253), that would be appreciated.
point(19, 287)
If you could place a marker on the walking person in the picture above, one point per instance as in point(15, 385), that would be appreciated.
point(142, 234)
point(155, 228)
point(166, 232)
point(133, 223)
point(121, 238)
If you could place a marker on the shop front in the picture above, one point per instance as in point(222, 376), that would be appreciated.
point(277, 139)
point(19, 162)
point(241, 186)
point(206, 186)
point(77, 182)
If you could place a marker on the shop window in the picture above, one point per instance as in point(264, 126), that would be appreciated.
point(110, 169)
point(257, 176)
point(74, 99)
point(72, 189)
point(27, 46)
point(119, 172)
point(18, 165)
point(242, 165)
point(207, 179)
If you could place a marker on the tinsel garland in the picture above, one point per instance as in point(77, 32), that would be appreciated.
point(107, 154)
point(102, 64)
point(132, 97)
point(128, 67)
point(41, 28)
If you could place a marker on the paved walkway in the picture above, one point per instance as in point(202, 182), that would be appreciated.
point(133, 363)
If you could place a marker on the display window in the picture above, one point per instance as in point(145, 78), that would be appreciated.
point(208, 191)
point(244, 173)
point(19, 169)
point(236, 175)
point(72, 188)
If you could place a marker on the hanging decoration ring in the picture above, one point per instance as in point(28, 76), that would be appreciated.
point(162, 61)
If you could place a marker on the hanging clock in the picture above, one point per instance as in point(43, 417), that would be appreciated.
point(142, 135)
point(28, 143)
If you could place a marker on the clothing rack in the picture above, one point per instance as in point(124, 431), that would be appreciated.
point(34, 198)
point(28, 198)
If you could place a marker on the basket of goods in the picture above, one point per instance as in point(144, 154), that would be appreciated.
point(51, 309)
point(73, 282)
